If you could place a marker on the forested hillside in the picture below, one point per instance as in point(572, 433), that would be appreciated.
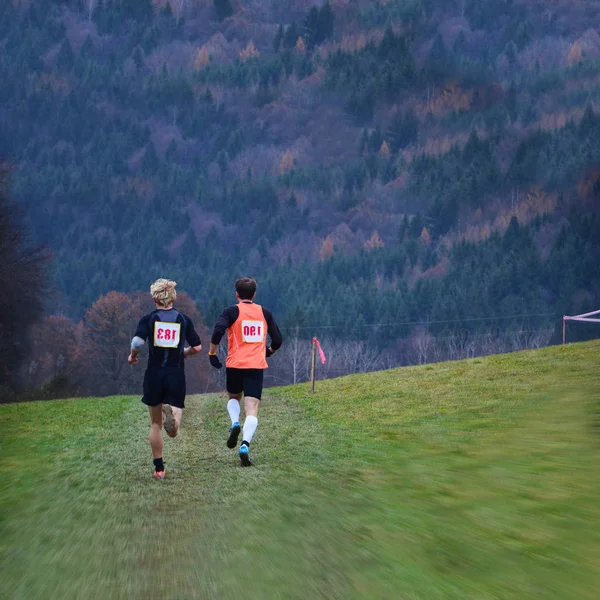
point(396, 162)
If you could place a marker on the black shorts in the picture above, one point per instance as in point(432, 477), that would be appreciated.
point(249, 381)
point(164, 385)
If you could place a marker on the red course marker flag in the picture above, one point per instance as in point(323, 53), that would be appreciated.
point(321, 353)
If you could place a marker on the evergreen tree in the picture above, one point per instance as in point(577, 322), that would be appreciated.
point(278, 38)
point(403, 130)
point(224, 9)
point(291, 36)
point(318, 25)
point(65, 58)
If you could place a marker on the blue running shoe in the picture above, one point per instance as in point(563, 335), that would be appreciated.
point(244, 456)
point(234, 432)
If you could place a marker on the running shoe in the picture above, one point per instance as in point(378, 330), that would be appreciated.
point(244, 456)
point(169, 420)
point(234, 432)
point(159, 474)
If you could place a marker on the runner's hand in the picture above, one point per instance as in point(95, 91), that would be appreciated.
point(132, 360)
point(269, 352)
point(214, 361)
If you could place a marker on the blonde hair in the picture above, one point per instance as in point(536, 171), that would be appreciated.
point(163, 292)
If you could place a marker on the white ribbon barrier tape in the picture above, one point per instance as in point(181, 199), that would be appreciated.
point(596, 312)
point(584, 319)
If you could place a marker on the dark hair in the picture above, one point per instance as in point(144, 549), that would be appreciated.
point(246, 288)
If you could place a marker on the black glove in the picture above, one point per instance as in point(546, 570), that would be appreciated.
point(270, 352)
point(214, 361)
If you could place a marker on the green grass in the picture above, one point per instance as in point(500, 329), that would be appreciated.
point(474, 479)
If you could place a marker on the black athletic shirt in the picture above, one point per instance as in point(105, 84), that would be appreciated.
point(229, 316)
point(167, 357)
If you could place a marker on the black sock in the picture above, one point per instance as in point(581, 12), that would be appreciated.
point(159, 465)
point(245, 443)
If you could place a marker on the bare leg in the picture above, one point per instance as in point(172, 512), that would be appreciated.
point(155, 436)
point(237, 397)
point(172, 419)
point(251, 406)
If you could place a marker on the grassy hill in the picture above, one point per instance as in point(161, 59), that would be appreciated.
point(473, 479)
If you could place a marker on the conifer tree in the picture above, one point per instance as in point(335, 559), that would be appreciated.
point(224, 9)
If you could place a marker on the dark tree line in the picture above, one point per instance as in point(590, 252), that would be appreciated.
point(24, 279)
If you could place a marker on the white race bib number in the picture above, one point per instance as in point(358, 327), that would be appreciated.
point(253, 332)
point(166, 335)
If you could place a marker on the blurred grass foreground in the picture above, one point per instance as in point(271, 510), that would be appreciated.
point(472, 479)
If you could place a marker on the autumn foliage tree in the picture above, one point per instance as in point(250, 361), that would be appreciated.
point(111, 323)
point(57, 364)
point(89, 358)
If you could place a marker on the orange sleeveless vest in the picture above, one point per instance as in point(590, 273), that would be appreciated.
point(247, 339)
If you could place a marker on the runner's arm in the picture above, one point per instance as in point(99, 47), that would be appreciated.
point(192, 338)
point(139, 339)
point(226, 319)
point(273, 331)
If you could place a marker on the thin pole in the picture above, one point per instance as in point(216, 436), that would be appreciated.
point(312, 369)
point(564, 329)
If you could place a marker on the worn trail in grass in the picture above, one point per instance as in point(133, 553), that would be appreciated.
point(474, 479)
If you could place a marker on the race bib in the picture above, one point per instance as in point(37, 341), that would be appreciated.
point(166, 335)
point(253, 332)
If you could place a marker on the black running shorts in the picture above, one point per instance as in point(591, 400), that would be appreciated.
point(164, 385)
point(249, 381)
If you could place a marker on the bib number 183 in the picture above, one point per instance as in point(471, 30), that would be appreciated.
point(166, 335)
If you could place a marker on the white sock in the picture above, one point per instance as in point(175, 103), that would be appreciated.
point(233, 407)
point(250, 425)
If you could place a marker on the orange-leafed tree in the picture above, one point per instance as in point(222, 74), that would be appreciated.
point(249, 51)
point(287, 163)
point(575, 53)
point(384, 150)
point(111, 323)
point(326, 249)
point(202, 59)
point(374, 242)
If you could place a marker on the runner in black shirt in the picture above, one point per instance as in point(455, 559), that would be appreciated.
point(164, 381)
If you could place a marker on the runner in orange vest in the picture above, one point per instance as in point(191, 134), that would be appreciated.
point(247, 325)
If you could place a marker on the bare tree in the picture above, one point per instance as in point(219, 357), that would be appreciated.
point(90, 7)
point(541, 338)
point(293, 360)
point(529, 338)
point(345, 357)
point(457, 344)
point(489, 343)
point(178, 8)
point(218, 95)
point(423, 345)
